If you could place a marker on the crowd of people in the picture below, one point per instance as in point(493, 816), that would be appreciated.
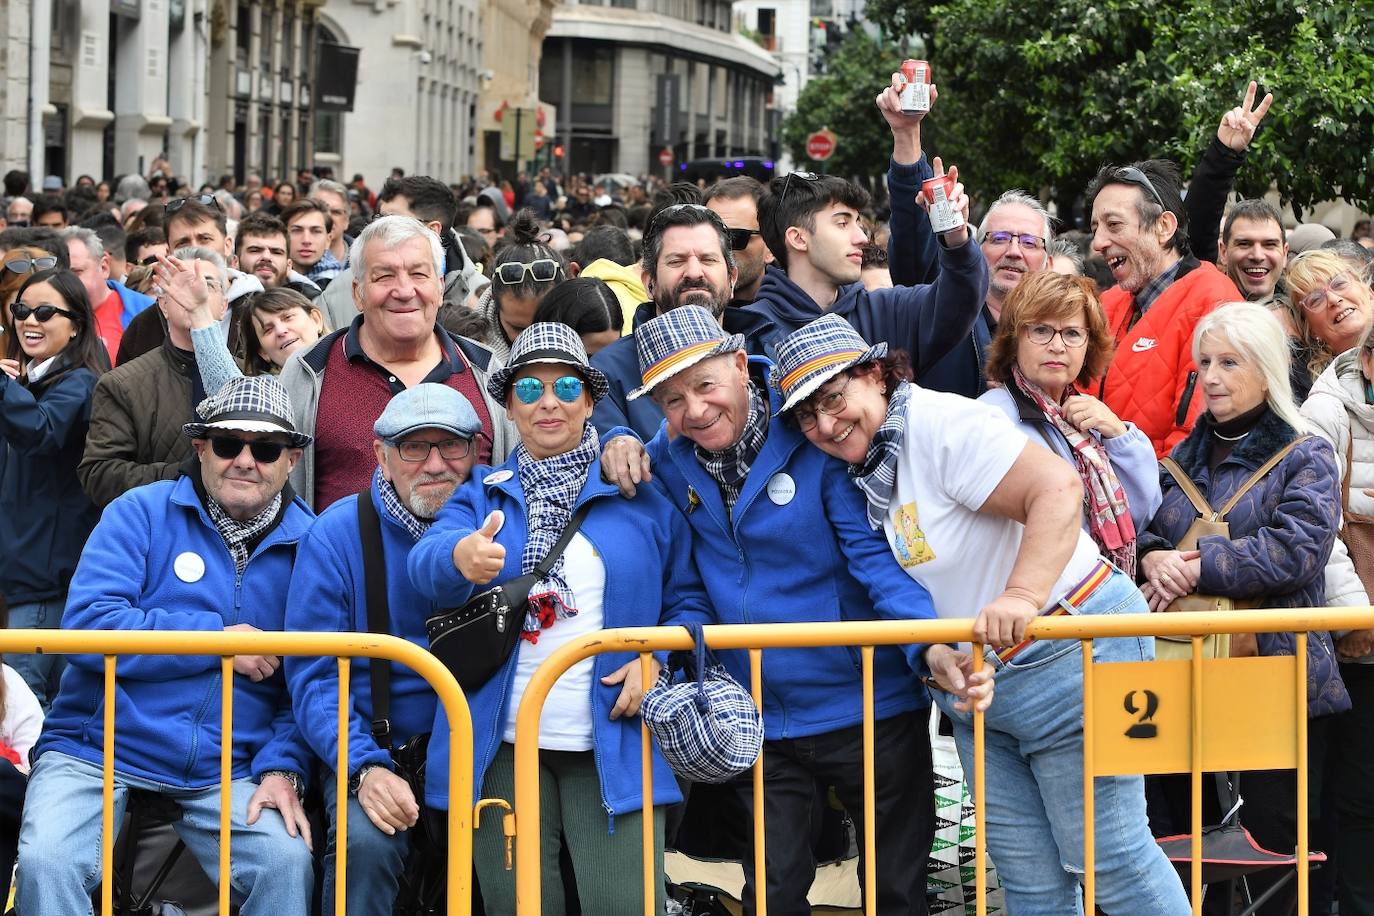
point(311, 407)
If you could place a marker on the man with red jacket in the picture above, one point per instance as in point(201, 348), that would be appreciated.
point(1140, 228)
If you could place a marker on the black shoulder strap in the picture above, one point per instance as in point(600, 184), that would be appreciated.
point(378, 614)
point(546, 564)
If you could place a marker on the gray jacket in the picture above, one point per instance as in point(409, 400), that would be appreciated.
point(303, 377)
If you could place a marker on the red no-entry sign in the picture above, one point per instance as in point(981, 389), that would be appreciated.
point(820, 145)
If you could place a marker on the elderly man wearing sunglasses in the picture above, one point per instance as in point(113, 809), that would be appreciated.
point(1140, 227)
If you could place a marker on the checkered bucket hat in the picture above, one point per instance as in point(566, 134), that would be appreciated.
point(708, 728)
point(815, 353)
point(257, 404)
point(547, 342)
point(677, 340)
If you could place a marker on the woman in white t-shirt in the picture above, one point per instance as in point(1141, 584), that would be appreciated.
point(21, 719)
point(990, 524)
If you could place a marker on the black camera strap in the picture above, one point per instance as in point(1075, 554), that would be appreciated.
point(378, 614)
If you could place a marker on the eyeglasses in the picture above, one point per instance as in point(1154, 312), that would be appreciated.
point(1340, 284)
point(207, 200)
point(230, 447)
point(787, 183)
point(149, 261)
point(24, 265)
point(1026, 241)
point(416, 450)
point(830, 403)
point(529, 390)
point(739, 238)
point(1043, 333)
point(43, 313)
point(542, 270)
point(1129, 174)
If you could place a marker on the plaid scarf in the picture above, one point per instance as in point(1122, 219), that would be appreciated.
point(877, 476)
point(1109, 516)
point(391, 503)
point(551, 486)
point(730, 467)
point(237, 534)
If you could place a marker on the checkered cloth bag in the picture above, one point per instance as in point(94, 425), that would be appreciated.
point(707, 727)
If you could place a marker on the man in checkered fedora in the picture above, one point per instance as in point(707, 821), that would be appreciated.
point(751, 491)
point(212, 551)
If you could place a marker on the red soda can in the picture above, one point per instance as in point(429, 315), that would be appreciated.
point(944, 217)
point(916, 90)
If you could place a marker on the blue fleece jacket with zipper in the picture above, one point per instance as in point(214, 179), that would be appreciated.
point(329, 595)
point(645, 546)
point(796, 549)
point(156, 562)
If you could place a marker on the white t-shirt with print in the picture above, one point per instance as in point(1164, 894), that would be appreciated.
point(566, 722)
point(23, 717)
point(955, 453)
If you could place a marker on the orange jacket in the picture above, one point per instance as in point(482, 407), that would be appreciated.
point(1151, 380)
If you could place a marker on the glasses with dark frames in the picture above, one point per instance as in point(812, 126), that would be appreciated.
point(417, 450)
point(25, 265)
point(43, 313)
point(230, 447)
point(1129, 174)
point(207, 200)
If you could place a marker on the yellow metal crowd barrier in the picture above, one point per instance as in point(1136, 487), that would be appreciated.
point(112, 644)
point(1139, 718)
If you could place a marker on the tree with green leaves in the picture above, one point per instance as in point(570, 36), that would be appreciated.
point(1040, 99)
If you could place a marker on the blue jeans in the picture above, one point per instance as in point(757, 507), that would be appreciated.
point(40, 672)
point(375, 860)
point(59, 843)
point(1034, 781)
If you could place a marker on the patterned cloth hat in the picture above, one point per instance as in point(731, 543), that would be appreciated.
point(815, 353)
point(677, 340)
point(257, 404)
point(428, 405)
point(547, 342)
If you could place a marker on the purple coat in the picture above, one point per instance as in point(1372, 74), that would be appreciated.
point(1281, 535)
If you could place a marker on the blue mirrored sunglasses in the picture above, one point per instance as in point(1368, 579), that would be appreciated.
point(529, 390)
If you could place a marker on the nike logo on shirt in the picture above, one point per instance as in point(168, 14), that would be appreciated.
point(1143, 344)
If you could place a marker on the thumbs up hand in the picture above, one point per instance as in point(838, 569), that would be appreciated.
point(478, 557)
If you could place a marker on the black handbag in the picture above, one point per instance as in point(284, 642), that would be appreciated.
point(475, 640)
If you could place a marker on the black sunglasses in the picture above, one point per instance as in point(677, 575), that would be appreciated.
point(230, 447)
point(1129, 174)
point(207, 200)
point(787, 183)
point(43, 313)
point(739, 238)
point(24, 265)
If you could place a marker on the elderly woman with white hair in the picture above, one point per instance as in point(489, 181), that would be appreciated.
point(1281, 532)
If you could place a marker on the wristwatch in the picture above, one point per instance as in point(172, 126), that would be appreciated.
point(356, 782)
point(297, 783)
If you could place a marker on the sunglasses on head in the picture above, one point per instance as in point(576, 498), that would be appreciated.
point(542, 270)
point(43, 313)
point(24, 265)
point(529, 389)
point(739, 238)
point(230, 447)
point(787, 183)
point(1129, 174)
point(207, 200)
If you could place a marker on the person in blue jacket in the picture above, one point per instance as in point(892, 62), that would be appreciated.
point(756, 498)
point(425, 450)
point(627, 565)
point(211, 551)
point(52, 358)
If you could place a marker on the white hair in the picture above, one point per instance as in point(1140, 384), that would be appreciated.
point(1017, 196)
point(1257, 336)
point(196, 253)
point(393, 231)
point(86, 237)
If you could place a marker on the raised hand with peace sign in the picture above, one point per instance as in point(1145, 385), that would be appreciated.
point(1238, 125)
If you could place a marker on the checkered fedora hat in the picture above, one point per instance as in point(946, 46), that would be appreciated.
point(816, 352)
point(707, 727)
point(677, 340)
point(547, 342)
point(257, 404)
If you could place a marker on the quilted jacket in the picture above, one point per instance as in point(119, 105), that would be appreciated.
point(1281, 535)
point(1152, 379)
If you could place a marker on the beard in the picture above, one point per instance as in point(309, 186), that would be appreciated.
point(693, 292)
point(428, 506)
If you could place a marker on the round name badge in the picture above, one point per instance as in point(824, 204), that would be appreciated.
point(781, 489)
point(500, 476)
point(189, 567)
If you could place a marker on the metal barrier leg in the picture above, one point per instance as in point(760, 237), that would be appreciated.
point(107, 839)
point(341, 789)
point(1195, 775)
point(647, 788)
point(1304, 867)
point(1089, 796)
point(226, 778)
point(980, 820)
point(870, 804)
point(760, 869)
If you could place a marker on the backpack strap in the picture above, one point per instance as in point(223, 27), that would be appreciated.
point(1190, 490)
point(378, 614)
point(1259, 475)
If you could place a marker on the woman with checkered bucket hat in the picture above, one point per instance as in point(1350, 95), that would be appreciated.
point(991, 523)
point(627, 565)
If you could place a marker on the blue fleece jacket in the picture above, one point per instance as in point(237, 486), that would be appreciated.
point(925, 321)
point(796, 500)
point(645, 546)
point(132, 301)
point(156, 562)
point(620, 364)
point(45, 515)
point(329, 595)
